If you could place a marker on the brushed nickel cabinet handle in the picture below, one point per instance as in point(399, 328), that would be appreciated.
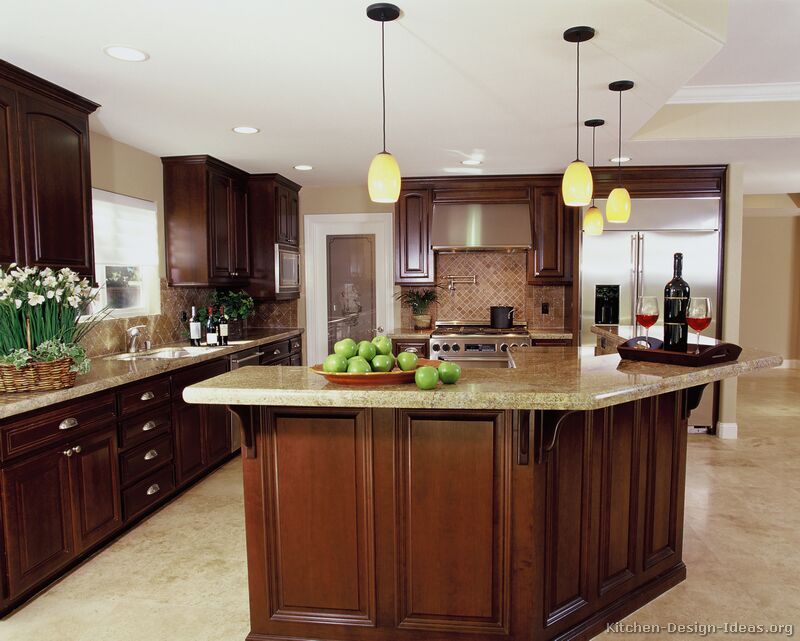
point(77, 449)
point(413, 350)
point(68, 423)
point(150, 425)
point(67, 453)
point(155, 487)
point(151, 454)
point(295, 345)
point(147, 396)
point(276, 352)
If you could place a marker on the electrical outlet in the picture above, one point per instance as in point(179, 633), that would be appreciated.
point(545, 308)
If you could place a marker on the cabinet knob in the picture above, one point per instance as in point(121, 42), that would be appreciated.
point(67, 453)
point(150, 425)
point(151, 454)
point(68, 423)
point(147, 396)
point(155, 487)
point(77, 449)
point(276, 352)
point(295, 345)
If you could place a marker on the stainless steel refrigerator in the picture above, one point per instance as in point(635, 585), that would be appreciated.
point(635, 259)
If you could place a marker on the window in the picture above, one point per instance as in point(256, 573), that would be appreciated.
point(126, 254)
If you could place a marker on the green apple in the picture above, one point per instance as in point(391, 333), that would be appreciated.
point(367, 350)
point(334, 363)
point(383, 344)
point(426, 377)
point(382, 363)
point(358, 365)
point(346, 347)
point(449, 372)
point(407, 361)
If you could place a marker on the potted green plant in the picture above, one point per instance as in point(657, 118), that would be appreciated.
point(40, 332)
point(419, 300)
point(239, 305)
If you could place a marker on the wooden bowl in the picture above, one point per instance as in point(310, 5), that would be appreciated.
point(395, 377)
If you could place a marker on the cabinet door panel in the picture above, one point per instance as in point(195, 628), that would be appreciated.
point(294, 218)
point(282, 210)
point(37, 519)
point(187, 427)
point(9, 177)
point(219, 203)
point(57, 203)
point(239, 231)
point(453, 520)
point(217, 433)
point(413, 254)
point(95, 488)
point(548, 259)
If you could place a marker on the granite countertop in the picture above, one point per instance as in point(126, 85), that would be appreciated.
point(618, 334)
point(107, 373)
point(550, 333)
point(409, 333)
point(544, 378)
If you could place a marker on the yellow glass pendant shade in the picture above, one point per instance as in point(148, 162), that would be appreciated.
point(577, 185)
point(593, 221)
point(618, 206)
point(383, 179)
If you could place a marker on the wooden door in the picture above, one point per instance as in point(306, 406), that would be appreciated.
point(56, 186)
point(10, 231)
point(548, 260)
point(216, 434)
point(187, 427)
point(413, 254)
point(282, 209)
point(294, 219)
point(37, 519)
point(240, 237)
point(95, 484)
point(219, 205)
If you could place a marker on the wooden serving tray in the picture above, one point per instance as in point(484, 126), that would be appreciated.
point(395, 377)
point(708, 354)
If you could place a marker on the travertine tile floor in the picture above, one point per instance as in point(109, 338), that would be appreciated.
point(181, 574)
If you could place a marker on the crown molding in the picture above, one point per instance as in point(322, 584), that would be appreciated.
point(760, 92)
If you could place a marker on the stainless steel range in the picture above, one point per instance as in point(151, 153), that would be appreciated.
point(475, 344)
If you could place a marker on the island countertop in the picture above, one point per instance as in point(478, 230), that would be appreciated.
point(565, 378)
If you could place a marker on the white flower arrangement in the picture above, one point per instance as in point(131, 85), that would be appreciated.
point(39, 313)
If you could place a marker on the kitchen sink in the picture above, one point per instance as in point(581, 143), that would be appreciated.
point(164, 353)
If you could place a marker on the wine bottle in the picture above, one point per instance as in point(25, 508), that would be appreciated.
point(676, 301)
point(211, 329)
point(223, 326)
point(194, 328)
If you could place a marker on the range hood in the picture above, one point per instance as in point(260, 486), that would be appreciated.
point(481, 227)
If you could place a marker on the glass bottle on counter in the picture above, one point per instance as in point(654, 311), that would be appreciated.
point(676, 300)
point(211, 329)
point(223, 326)
point(195, 329)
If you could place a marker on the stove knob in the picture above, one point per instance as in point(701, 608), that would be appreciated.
point(445, 347)
point(513, 345)
point(504, 347)
point(525, 345)
point(435, 347)
point(456, 348)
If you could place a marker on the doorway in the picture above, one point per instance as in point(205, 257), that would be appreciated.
point(348, 275)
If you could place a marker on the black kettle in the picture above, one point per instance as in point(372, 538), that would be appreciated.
point(501, 316)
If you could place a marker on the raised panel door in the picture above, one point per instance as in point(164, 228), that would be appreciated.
point(282, 195)
point(219, 204)
point(240, 230)
point(414, 263)
point(56, 179)
point(548, 261)
point(94, 476)
point(37, 519)
point(216, 433)
point(10, 234)
point(453, 522)
point(187, 428)
point(294, 218)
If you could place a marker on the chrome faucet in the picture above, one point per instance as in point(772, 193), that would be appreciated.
point(133, 338)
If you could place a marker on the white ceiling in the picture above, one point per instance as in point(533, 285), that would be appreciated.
point(463, 77)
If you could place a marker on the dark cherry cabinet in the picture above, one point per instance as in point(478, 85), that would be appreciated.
point(187, 424)
point(206, 217)
point(45, 174)
point(413, 261)
point(550, 258)
point(288, 215)
point(418, 347)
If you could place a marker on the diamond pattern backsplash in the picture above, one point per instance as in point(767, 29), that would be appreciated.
point(552, 295)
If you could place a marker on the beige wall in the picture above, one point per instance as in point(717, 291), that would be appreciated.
point(129, 171)
point(770, 300)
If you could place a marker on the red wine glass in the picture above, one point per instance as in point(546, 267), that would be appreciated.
point(698, 316)
point(647, 314)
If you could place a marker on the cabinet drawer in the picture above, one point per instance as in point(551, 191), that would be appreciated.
point(137, 397)
point(196, 374)
point(273, 351)
point(420, 348)
point(139, 461)
point(146, 426)
point(148, 491)
point(296, 344)
point(54, 426)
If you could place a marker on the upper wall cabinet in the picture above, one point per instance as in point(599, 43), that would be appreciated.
point(550, 258)
point(206, 220)
point(413, 256)
point(45, 174)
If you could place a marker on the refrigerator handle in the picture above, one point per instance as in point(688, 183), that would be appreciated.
point(641, 264)
point(634, 276)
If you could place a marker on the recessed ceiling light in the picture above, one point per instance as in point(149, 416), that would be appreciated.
point(128, 54)
point(246, 130)
point(471, 162)
point(303, 167)
point(620, 159)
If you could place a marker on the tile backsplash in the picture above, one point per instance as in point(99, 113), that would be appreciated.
point(109, 336)
point(553, 296)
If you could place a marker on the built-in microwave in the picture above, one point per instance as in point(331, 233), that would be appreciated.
point(287, 269)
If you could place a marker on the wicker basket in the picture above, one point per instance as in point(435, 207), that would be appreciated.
point(37, 377)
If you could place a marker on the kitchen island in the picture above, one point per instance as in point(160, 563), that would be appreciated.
point(539, 502)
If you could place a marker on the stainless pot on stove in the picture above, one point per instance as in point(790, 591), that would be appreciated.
point(501, 316)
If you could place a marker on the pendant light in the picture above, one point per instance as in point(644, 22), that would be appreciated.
point(576, 185)
point(593, 218)
point(383, 179)
point(618, 205)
